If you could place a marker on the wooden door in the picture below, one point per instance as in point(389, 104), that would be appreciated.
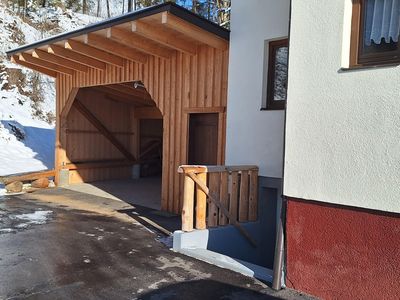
point(203, 139)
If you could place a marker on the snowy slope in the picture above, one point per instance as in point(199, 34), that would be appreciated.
point(27, 99)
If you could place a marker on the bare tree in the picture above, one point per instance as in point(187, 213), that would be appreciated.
point(130, 5)
point(108, 9)
point(84, 6)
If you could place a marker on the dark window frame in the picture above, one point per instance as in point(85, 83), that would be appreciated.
point(272, 48)
point(358, 57)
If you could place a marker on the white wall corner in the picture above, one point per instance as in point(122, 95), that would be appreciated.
point(346, 39)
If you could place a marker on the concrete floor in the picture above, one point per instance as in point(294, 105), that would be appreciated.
point(85, 248)
point(144, 191)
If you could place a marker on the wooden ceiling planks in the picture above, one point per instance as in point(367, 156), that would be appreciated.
point(143, 44)
point(105, 44)
point(164, 37)
point(43, 55)
point(95, 53)
point(79, 58)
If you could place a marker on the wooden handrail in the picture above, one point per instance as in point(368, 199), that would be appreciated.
point(214, 169)
point(227, 193)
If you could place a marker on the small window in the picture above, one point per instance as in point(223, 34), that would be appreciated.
point(375, 32)
point(277, 74)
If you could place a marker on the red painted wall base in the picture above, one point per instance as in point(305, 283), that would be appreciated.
point(338, 252)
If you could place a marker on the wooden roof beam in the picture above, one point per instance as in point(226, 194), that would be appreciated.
point(15, 59)
point(167, 39)
point(45, 64)
point(139, 42)
point(77, 57)
point(124, 97)
point(94, 53)
point(119, 49)
point(193, 31)
point(140, 98)
point(43, 55)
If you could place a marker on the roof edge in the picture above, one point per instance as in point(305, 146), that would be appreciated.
point(173, 8)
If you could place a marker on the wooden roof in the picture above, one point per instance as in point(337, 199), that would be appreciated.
point(157, 31)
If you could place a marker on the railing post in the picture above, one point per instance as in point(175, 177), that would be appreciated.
point(201, 203)
point(188, 203)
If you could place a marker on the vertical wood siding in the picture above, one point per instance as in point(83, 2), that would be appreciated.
point(176, 85)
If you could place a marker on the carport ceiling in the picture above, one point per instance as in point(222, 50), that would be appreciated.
point(158, 31)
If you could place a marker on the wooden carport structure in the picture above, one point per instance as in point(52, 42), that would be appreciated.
point(161, 62)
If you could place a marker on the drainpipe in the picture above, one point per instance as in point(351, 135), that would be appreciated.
point(280, 237)
point(279, 250)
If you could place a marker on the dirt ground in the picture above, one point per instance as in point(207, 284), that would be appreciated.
point(65, 245)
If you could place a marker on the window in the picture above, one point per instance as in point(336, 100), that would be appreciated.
point(277, 74)
point(375, 32)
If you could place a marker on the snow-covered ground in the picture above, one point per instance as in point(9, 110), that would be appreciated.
point(27, 99)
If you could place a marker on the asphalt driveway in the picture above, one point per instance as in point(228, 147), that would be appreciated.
point(57, 247)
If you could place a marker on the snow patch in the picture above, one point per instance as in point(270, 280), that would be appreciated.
point(37, 217)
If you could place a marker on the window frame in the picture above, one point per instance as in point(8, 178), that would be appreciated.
point(272, 104)
point(357, 57)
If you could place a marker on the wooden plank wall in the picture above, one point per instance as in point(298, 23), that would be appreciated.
point(85, 144)
point(177, 85)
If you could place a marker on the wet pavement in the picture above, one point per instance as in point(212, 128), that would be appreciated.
point(52, 250)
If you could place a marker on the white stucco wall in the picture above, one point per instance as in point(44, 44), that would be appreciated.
point(343, 127)
point(254, 136)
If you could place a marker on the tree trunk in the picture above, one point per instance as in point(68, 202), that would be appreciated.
point(84, 6)
point(108, 9)
point(130, 5)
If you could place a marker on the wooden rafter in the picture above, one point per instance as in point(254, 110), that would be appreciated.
point(102, 129)
point(119, 90)
point(143, 44)
point(168, 39)
point(94, 53)
point(147, 113)
point(193, 31)
point(116, 48)
point(77, 57)
point(48, 72)
point(43, 55)
point(45, 64)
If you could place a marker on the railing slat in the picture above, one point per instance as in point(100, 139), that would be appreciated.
point(223, 220)
point(214, 186)
point(188, 204)
point(234, 195)
point(201, 203)
point(253, 196)
point(244, 197)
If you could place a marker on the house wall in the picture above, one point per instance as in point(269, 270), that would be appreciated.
point(342, 129)
point(254, 136)
point(342, 151)
point(178, 85)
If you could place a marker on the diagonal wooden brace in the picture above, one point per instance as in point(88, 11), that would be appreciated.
point(210, 198)
point(102, 129)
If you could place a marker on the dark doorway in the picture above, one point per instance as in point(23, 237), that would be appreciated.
point(203, 139)
point(151, 133)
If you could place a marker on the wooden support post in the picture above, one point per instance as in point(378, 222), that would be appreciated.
point(201, 203)
point(224, 197)
point(188, 203)
point(244, 197)
point(253, 195)
point(234, 197)
point(214, 186)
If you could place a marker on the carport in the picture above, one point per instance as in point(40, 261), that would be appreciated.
point(137, 96)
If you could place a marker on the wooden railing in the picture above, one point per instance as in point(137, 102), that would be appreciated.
point(219, 195)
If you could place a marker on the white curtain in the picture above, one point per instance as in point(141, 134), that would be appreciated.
point(382, 21)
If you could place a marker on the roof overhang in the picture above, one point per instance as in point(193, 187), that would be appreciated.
point(155, 31)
